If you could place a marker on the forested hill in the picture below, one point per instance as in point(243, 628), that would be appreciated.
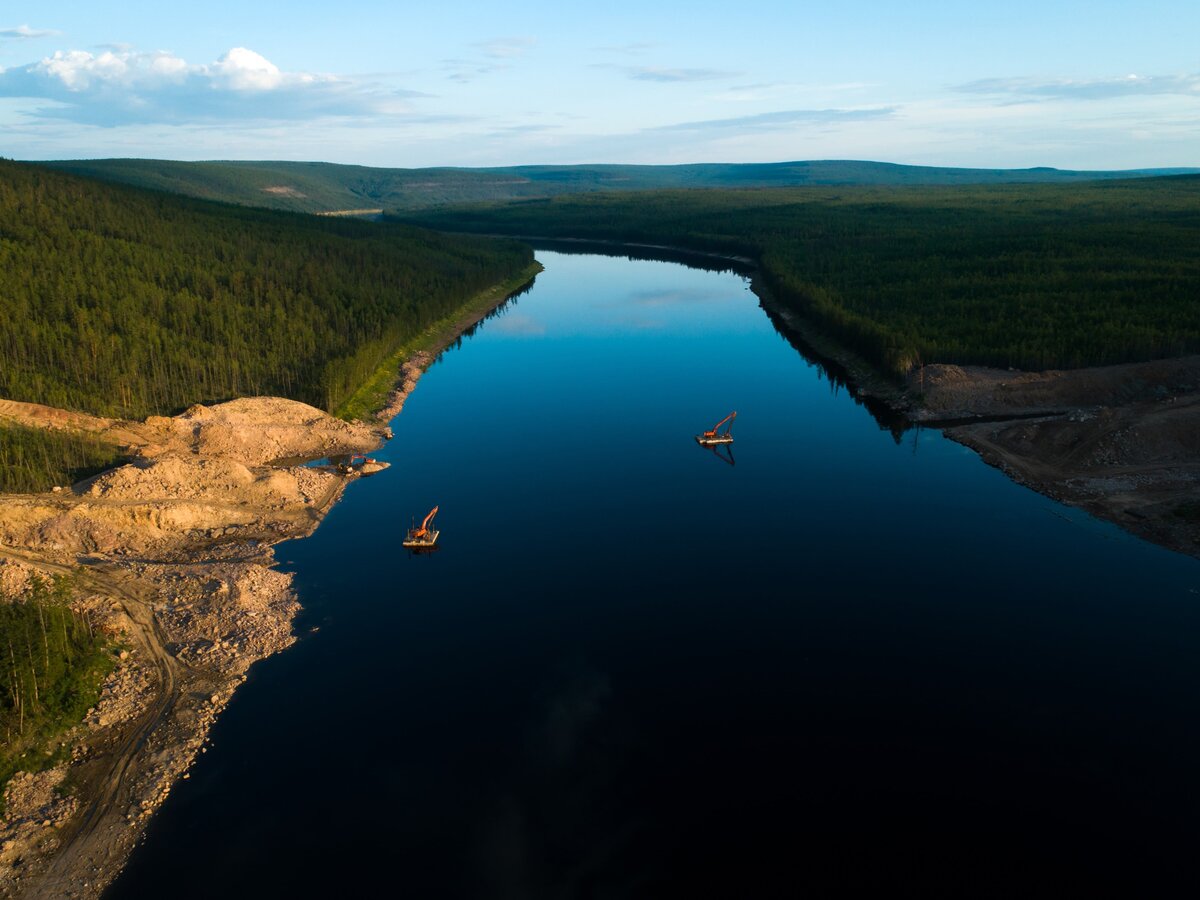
point(120, 301)
point(324, 187)
point(1029, 276)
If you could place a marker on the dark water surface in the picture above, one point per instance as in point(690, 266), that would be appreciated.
point(634, 670)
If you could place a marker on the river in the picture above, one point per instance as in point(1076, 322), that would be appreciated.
point(853, 658)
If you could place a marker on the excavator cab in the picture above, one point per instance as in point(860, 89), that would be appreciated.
point(715, 435)
point(423, 537)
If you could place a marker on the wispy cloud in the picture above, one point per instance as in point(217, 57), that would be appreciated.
point(1086, 89)
point(667, 75)
point(24, 31)
point(658, 73)
point(126, 87)
point(628, 49)
point(507, 47)
point(782, 119)
point(742, 93)
point(495, 55)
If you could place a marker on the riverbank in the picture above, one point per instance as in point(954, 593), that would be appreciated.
point(1118, 441)
point(382, 395)
point(174, 556)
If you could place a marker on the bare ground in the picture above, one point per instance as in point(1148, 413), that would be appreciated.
point(1122, 442)
point(173, 552)
point(177, 548)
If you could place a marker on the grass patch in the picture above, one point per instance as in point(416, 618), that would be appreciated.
point(373, 393)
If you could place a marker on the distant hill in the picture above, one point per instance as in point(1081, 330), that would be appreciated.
point(328, 187)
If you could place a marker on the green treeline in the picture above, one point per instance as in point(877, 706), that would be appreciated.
point(126, 302)
point(36, 459)
point(1029, 276)
point(52, 662)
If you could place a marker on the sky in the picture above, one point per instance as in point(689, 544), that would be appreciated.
point(1095, 85)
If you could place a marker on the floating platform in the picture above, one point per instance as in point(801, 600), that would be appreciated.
point(426, 542)
point(706, 441)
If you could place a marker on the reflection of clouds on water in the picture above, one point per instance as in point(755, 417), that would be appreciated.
point(669, 296)
point(648, 324)
point(518, 323)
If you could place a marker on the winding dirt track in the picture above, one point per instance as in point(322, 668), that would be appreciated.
point(87, 842)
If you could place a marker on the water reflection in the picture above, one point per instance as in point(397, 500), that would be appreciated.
point(499, 312)
point(827, 368)
point(723, 452)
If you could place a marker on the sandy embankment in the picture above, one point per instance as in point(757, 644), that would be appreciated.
point(1122, 442)
point(173, 553)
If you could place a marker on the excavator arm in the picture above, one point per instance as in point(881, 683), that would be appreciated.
point(424, 529)
point(729, 418)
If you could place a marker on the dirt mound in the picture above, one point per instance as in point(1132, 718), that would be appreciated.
point(960, 392)
point(1135, 464)
point(254, 431)
point(37, 416)
point(174, 478)
point(260, 430)
point(14, 577)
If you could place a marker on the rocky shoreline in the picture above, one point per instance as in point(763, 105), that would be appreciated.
point(174, 555)
point(1121, 442)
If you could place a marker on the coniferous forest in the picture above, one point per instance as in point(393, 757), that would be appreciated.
point(36, 459)
point(125, 302)
point(53, 663)
point(1029, 276)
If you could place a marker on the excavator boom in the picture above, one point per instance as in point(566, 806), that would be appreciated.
point(715, 435)
point(424, 529)
point(729, 418)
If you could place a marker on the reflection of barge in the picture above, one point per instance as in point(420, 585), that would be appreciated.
point(715, 436)
point(424, 537)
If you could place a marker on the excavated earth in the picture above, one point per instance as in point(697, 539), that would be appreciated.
point(171, 556)
point(1122, 442)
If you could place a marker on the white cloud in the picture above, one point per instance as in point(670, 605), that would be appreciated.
point(121, 87)
point(24, 31)
point(244, 70)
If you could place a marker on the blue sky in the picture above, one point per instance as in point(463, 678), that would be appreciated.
point(1068, 84)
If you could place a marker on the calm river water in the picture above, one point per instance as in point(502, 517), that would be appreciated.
point(635, 670)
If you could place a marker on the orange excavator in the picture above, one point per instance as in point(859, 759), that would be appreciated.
point(715, 436)
point(423, 538)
